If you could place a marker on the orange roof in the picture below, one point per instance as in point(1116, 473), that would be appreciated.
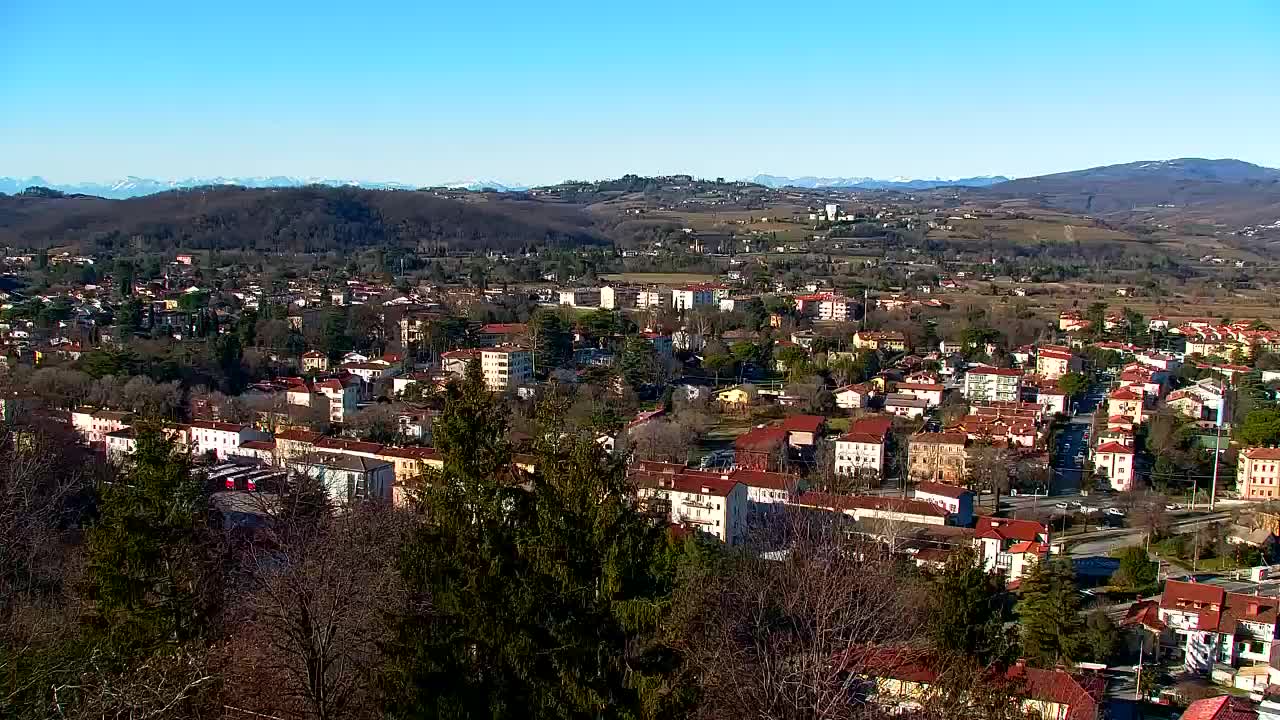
point(1007, 529)
point(1262, 453)
point(954, 492)
point(1114, 447)
point(803, 423)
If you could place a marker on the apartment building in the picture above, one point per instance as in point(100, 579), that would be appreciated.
point(705, 502)
point(219, 438)
point(957, 501)
point(348, 478)
point(1206, 626)
point(1125, 402)
point(618, 297)
point(342, 396)
point(93, 425)
point(938, 457)
point(654, 298)
point(989, 383)
point(506, 368)
point(1008, 546)
point(1258, 473)
point(580, 297)
point(1054, 362)
point(1114, 460)
point(691, 296)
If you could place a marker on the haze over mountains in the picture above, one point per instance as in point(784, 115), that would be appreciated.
point(869, 183)
point(132, 186)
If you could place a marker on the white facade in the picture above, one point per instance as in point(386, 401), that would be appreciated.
point(221, 439)
point(654, 298)
point(859, 452)
point(613, 297)
point(716, 507)
point(506, 368)
point(580, 297)
point(992, 384)
point(688, 298)
point(1116, 462)
point(93, 425)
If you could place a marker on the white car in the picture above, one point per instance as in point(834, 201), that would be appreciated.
point(1115, 512)
point(1172, 506)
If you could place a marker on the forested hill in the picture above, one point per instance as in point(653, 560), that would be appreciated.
point(306, 219)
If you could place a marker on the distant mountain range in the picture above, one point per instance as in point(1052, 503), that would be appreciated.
point(869, 183)
point(131, 186)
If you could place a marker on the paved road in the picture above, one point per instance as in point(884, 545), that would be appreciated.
point(1102, 542)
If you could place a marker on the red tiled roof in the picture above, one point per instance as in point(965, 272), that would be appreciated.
point(875, 425)
point(763, 479)
point(831, 501)
point(210, 425)
point(693, 482)
point(861, 437)
point(942, 438)
point(258, 445)
point(1114, 447)
point(761, 439)
point(298, 435)
point(1262, 453)
point(330, 443)
point(1124, 393)
point(505, 329)
point(1145, 613)
point(1223, 707)
point(1007, 529)
point(1007, 372)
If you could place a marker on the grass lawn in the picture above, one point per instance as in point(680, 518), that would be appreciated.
point(839, 424)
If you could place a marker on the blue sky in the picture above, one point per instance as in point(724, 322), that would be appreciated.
point(538, 92)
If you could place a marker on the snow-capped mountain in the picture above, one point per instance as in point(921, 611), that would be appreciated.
point(131, 186)
point(869, 183)
point(477, 185)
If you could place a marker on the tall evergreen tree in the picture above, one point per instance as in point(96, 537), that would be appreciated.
point(1049, 613)
point(531, 593)
point(969, 615)
point(145, 566)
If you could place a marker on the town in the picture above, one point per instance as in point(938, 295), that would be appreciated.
point(936, 424)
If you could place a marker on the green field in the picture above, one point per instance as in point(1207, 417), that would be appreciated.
point(660, 278)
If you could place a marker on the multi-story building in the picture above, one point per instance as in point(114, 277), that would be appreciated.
point(455, 362)
point(654, 298)
point(315, 361)
point(1258, 473)
point(957, 501)
point(342, 396)
point(931, 393)
point(414, 327)
point(1054, 362)
point(990, 383)
point(1010, 547)
point(93, 425)
point(506, 368)
point(618, 297)
point(1114, 460)
point(219, 438)
point(1125, 402)
point(1208, 626)
point(826, 306)
point(348, 478)
point(938, 457)
point(580, 297)
point(691, 296)
point(707, 502)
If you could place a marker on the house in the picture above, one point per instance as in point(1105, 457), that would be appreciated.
point(908, 406)
point(762, 448)
point(766, 490)
point(502, 333)
point(93, 425)
point(705, 502)
point(938, 457)
point(1053, 362)
point(737, 398)
point(1009, 546)
point(853, 397)
point(990, 383)
point(342, 396)
point(1053, 400)
point(862, 449)
point(1258, 473)
point(369, 372)
point(455, 361)
point(803, 430)
point(957, 501)
point(1208, 626)
point(315, 361)
point(1223, 707)
point(1125, 401)
point(1114, 461)
point(901, 681)
point(348, 478)
point(507, 367)
point(931, 393)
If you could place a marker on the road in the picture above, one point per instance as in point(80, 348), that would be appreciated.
point(1103, 542)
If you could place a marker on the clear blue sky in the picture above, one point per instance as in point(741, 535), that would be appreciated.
point(436, 90)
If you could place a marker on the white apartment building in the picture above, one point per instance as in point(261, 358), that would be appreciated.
point(1115, 460)
point(93, 425)
point(691, 296)
point(988, 383)
point(506, 368)
point(342, 396)
point(706, 502)
point(654, 298)
point(221, 439)
point(617, 297)
point(858, 452)
point(580, 297)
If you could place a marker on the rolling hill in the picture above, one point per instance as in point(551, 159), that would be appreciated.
point(306, 219)
point(1225, 192)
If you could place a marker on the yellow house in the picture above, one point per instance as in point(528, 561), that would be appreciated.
point(737, 397)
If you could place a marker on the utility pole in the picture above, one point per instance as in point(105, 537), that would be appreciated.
point(1217, 448)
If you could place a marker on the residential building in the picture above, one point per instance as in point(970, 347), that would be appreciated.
point(1208, 626)
point(761, 449)
point(766, 490)
point(618, 297)
point(455, 362)
point(502, 333)
point(580, 297)
point(315, 361)
point(220, 439)
point(653, 298)
point(874, 507)
point(990, 383)
point(803, 430)
point(908, 406)
point(938, 457)
point(1125, 402)
point(348, 478)
point(1054, 362)
point(957, 501)
point(862, 450)
point(931, 393)
point(93, 425)
point(1258, 473)
point(853, 397)
point(705, 502)
point(691, 296)
point(1114, 460)
point(506, 368)
point(342, 396)
point(1009, 546)
point(370, 372)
